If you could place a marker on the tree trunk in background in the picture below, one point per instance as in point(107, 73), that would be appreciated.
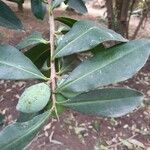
point(124, 18)
point(110, 14)
point(118, 15)
point(144, 15)
point(20, 5)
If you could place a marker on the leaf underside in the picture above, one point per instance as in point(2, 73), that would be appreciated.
point(34, 98)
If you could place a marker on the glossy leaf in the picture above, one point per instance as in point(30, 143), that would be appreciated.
point(14, 65)
point(56, 3)
point(18, 135)
point(34, 98)
point(67, 21)
point(34, 38)
point(83, 36)
point(8, 18)
point(38, 9)
point(107, 102)
point(78, 5)
point(108, 66)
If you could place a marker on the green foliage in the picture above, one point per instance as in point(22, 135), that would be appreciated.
point(56, 3)
point(8, 19)
point(38, 54)
point(107, 102)
point(34, 98)
point(33, 39)
point(74, 82)
point(38, 9)
point(68, 21)
point(108, 66)
point(18, 135)
point(83, 36)
point(14, 65)
point(78, 5)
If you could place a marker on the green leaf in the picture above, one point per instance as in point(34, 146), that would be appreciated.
point(34, 38)
point(78, 5)
point(14, 65)
point(38, 9)
point(18, 135)
point(34, 98)
point(67, 21)
point(83, 36)
point(38, 54)
point(108, 66)
point(56, 3)
point(8, 18)
point(107, 102)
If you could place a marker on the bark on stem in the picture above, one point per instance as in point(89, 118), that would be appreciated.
point(52, 61)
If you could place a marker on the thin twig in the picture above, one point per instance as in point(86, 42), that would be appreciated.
point(52, 61)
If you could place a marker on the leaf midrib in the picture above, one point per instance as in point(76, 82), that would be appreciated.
point(100, 101)
point(28, 132)
point(8, 64)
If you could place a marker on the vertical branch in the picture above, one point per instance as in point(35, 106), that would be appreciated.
point(52, 61)
point(110, 16)
point(139, 25)
point(144, 16)
point(124, 17)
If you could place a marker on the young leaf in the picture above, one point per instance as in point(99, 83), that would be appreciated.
point(8, 18)
point(108, 66)
point(83, 36)
point(78, 5)
point(56, 3)
point(14, 65)
point(107, 102)
point(18, 135)
point(67, 21)
point(34, 98)
point(38, 9)
point(34, 38)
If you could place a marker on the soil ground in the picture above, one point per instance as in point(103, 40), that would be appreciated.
point(76, 131)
